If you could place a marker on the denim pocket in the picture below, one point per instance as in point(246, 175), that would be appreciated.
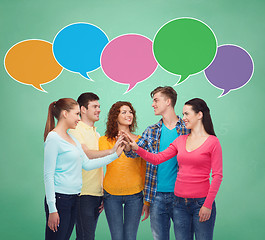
point(64, 196)
point(64, 201)
point(200, 201)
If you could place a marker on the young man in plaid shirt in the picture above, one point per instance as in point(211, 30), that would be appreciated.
point(160, 180)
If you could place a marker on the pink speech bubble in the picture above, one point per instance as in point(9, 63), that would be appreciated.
point(129, 59)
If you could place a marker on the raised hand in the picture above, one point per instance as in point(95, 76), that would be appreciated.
point(127, 147)
point(129, 141)
point(120, 143)
point(119, 150)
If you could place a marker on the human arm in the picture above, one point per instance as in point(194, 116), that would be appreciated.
point(51, 150)
point(153, 158)
point(97, 154)
point(81, 136)
point(50, 157)
point(145, 212)
point(89, 164)
point(217, 174)
point(143, 141)
point(157, 158)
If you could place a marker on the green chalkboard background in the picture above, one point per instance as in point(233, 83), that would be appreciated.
point(238, 117)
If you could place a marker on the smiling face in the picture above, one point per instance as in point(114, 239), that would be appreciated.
point(92, 111)
point(72, 117)
point(190, 117)
point(160, 103)
point(125, 116)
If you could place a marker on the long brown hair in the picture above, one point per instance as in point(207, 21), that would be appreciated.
point(198, 105)
point(54, 111)
point(112, 124)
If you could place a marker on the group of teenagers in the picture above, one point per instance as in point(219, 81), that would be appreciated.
point(165, 173)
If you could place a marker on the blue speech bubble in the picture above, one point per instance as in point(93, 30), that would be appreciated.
point(78, 47)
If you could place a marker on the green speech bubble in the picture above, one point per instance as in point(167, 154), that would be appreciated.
point(184, 46)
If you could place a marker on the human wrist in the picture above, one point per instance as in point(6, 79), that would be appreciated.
point(135, 148)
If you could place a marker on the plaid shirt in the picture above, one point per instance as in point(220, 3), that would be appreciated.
point(150, 141)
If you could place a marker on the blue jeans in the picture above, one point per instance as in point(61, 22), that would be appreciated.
point(187, 214)
point(161, 211)
point(123, 215)
point(66, 207)
point(87, 216)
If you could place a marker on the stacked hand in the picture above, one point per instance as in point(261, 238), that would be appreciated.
point(129, 143)
point(119, 145)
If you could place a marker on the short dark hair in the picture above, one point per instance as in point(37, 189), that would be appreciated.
point(85, 98)
point(168, 91)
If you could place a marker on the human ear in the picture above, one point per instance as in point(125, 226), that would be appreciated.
point(64, 113)
point(200, 115)
point(168, 101)
point(83, 109)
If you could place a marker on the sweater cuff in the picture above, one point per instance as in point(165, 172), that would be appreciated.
point(208, 203)
point(139, 150)
point(114, 156)
point(52, 207)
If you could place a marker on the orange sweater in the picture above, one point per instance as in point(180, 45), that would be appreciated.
point(124, 176)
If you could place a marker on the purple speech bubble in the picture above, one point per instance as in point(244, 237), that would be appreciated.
point(129, 59)
point(231, 69)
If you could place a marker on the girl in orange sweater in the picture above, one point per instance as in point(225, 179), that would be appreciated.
point(124, 178)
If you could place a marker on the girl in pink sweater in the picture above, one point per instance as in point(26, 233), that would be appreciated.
point(198, 154)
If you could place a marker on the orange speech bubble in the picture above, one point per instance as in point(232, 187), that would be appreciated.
point(32, 62)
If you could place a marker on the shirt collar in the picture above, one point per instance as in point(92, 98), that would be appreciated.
point(84, 125)
point(180, 122)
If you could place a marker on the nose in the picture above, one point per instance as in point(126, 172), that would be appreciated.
point(78, 118)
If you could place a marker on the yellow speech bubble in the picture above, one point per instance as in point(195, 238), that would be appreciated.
point(32, 62)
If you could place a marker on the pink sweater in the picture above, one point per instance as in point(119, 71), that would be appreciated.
point(194, 167)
